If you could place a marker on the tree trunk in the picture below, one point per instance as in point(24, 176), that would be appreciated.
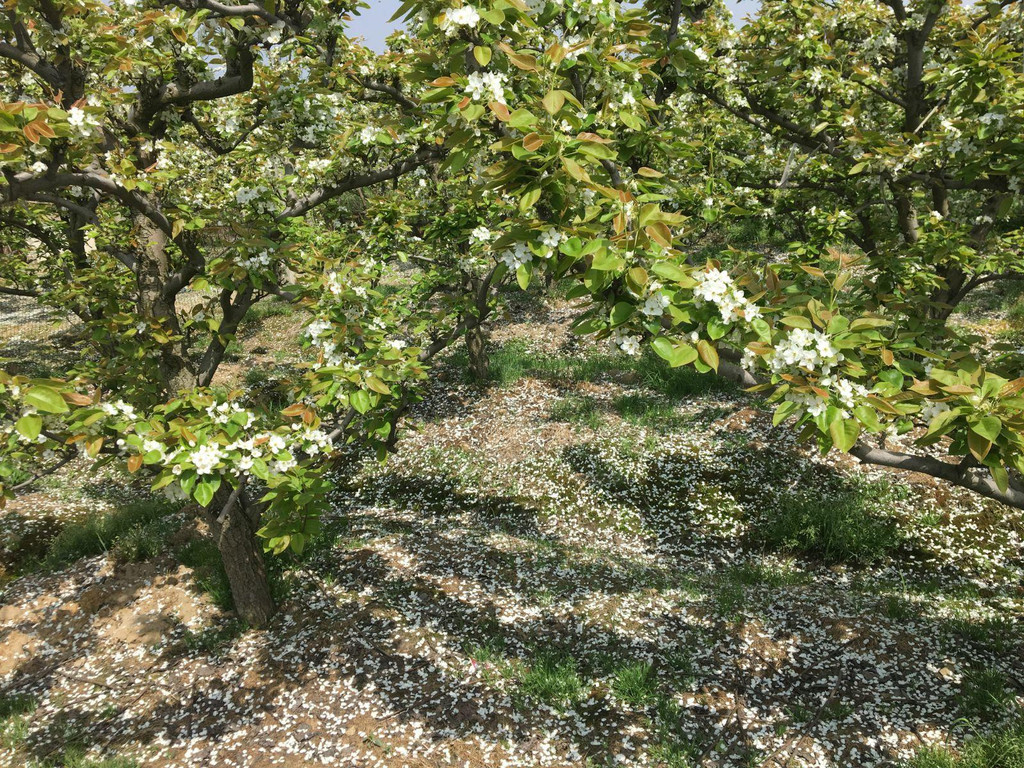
point(476, 345)
point(242, 555)
point(152, 303)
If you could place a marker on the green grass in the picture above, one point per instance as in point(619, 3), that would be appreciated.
point(898, 608)
point(985, 694)
point(1001, 749)
point(636, 684)
point(270, 308)
point(839, 527)
point(234, 351)
point(578, 410)
point(1015, 314)
point(203, 557)
point(14, 711)
point(135, 531)
point(145, 540)
point(996, 634)
point(552, 678)
point(215, 639)
point(75, 758)
point(491, 651)
point(514, 360)
point(671, 748)
point(730, 598)
point(776, 575)
point(648, 411)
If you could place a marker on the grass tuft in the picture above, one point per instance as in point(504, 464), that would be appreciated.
point(552, 678)
point(985, 694)
point(76, 758)
point(136, 531)
point(843, 528)
point(516, 360)
point(14, 711)
point(578, 410)
point(1001, 749)
point(646, 411)
point(636, 684)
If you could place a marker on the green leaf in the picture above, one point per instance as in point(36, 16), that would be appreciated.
point(630, 120)
point(797, 321)
point(554, 101)
point(868, 417)
point(529, 199)
point(670, 271)
point(862, 323)
point(717, 329)
point(844, 433)
point(786, 409)
point(674, 354)
point(30, 426)
point(523, 274)
point(1001, 476)
point(377, 385)
point(708, 353)
point(942, 421)
point(46, 399)
point(607, 261)
point(493, 15)
point(979, 445)
point(204, 491)
point(600, 151)
point(482, 54)
point(360, 400)
point(988, 427)
point(764, 331)
point(523, 120)
point(621, 312)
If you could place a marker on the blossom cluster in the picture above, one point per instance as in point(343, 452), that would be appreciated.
point(261, 260)
point(84, 123)
point(716, 286)
point(516, 256)
point(656, 303)
point(811, 351)
point(931, 410)
point(466, 16)
point(213, 452)
point(480, 235)
point(625, 342)
point(486, 86)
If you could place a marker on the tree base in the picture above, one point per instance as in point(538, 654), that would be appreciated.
point(242, 555)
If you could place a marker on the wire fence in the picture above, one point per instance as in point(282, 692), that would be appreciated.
point(28, 327)
point(25, 321)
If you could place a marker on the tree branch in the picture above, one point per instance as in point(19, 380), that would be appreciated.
point(358, 180)
point(973, 478)
point(33, 62)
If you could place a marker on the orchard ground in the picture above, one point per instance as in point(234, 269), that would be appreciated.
point(587, 561)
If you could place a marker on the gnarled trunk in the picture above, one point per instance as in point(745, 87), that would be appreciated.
point(242, 555)
point(153, 303)
point(476, 345)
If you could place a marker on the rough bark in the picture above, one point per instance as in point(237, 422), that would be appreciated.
point(476, 345)
point(234, 520)
point(152, 301)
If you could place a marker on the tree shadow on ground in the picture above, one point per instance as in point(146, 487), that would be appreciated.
point(437, 606)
